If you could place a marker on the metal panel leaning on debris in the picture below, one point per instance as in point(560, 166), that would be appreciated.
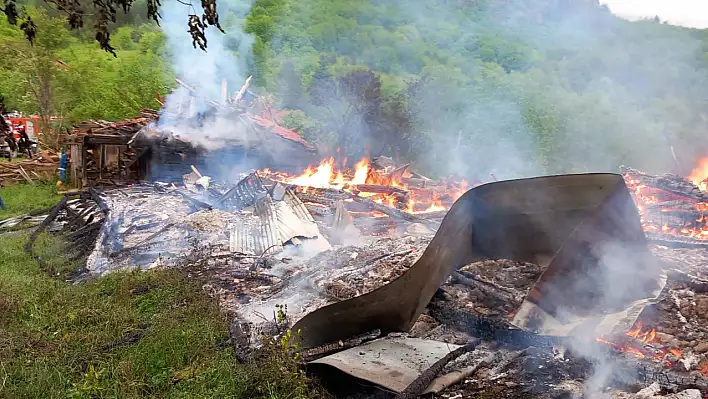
point(526, 220)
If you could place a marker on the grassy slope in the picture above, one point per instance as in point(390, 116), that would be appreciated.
point(58, 339)
point(23, 198)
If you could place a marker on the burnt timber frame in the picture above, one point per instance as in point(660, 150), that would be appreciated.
point(81, 175)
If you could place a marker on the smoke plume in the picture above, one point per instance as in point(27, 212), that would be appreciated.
point(227, 58)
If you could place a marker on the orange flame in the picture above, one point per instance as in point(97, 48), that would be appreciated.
point(647, 197)
point(699, 175)
point(328, 175)
point(646, 336)
point(435, 205)
point(647, 345)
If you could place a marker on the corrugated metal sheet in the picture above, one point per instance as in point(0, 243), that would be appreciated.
point(290, 225)
point(275, 223)
point(285, 222)
point(298, 207)
point(269, 222)
point(253, 238)
point(243, 194)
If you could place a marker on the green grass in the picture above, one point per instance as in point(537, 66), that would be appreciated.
point(22, 198)
point(129, 335)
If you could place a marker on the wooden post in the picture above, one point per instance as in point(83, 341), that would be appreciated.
point(84, 161)
point(121, 173)
point(75, 164)
point(101, 157)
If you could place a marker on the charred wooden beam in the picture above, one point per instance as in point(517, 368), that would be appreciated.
point(449, 314)
point(82, 232)
point(316, 199)
point(311, 354)
point(194, 201)
point(489, 290)
point(250, 275)
point(375, 188)
point(392, 212)
point(327, 193)
point(143, 242)
point(97, 197)
point(672, 183)
point(397, 174)
point(43, 225)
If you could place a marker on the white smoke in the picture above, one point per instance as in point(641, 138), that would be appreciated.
point(226, 58)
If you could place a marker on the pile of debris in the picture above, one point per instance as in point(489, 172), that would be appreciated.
point(510, 363)
point(42, 167)
point(267, 242)
point(127, 127)
point(377, 198)
point(162, 224)
point(674, 211)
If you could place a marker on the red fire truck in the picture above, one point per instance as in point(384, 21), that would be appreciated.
point(17, 122)
point(30, 123)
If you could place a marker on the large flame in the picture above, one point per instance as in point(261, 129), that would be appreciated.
point(699, 175)
point(328, 175)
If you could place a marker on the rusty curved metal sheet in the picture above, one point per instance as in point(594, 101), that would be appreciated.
point(526, 220)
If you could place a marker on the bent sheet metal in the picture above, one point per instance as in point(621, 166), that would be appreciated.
point(584, 227)
point(392, 363)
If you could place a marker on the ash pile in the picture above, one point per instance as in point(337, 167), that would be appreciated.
point(264, 214)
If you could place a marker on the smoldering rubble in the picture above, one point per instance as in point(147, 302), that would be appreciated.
point(261, 244)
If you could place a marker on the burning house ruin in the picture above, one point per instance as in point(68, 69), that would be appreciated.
point(157, 146)
point(363, 258)
point(549, 287)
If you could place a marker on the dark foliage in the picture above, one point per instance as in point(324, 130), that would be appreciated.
point(106, 13)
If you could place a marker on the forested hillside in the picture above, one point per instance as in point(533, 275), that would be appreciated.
point(512, 87)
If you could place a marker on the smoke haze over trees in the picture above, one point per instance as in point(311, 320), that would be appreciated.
point(515, 88)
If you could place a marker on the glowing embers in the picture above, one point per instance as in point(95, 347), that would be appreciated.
point(642, 342)
point(668, 206)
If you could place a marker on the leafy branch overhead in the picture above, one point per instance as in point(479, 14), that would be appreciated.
point(104, 13)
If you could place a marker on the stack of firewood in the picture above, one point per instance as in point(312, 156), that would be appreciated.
point(44, 166)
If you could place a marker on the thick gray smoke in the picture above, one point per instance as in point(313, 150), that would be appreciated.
point(226, 59)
